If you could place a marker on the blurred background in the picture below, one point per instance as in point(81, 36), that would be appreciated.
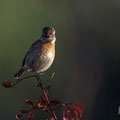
point(87, 62)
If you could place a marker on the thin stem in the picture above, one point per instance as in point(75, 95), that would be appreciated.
point(19, 80)
point(61, 106)
point(48, 102)
point(50, 82)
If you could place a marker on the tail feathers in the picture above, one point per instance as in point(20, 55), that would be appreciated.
point(19, 73)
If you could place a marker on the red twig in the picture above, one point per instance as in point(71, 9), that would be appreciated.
point(62, 106)
point(48, 102)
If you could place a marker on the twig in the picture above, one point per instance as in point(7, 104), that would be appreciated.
point(50, 82)
point(48, 102)
point(61, 106)
point(19, 80)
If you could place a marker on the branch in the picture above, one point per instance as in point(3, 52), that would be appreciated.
point(8, 84)
point(19, 80)
point(50, 82)
point(62, 106)
point(45, 95)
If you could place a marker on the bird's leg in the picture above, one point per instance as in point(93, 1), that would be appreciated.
point(39, 79)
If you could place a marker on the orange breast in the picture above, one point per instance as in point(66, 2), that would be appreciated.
point(48, 47)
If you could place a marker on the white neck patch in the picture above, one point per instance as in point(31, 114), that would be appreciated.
point(51, 40)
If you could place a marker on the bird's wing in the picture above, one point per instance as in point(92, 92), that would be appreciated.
point(31, 50)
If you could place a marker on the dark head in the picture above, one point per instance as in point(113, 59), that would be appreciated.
point(48, 35)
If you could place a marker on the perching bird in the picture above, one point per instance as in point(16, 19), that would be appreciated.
point(41, 54)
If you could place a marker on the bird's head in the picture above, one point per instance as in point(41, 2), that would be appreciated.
point(48, 35)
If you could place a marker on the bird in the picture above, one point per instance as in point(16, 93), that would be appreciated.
point(41, 53)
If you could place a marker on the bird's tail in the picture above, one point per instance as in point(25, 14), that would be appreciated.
point(19, 73)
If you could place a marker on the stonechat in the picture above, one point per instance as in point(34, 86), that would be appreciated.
point(41, 54)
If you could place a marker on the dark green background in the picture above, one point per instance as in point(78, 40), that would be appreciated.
point(87, 62)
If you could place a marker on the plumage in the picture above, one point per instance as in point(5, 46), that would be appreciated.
point(41, 54)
